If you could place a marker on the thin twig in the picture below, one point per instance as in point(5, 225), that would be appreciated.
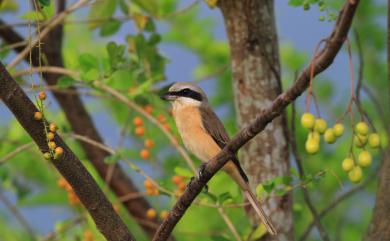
point(16, 151)
point(301, 171)
point(54, 22)
point(229, 223)
point(52, 235)
point(47, 69)
point(15, 211)
point(336, 202)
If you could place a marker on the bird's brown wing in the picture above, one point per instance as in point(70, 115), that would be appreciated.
point(213, 125)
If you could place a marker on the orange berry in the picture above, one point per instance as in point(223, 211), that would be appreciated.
point(73, 199)
point(182, 186)
point(50, 136)
point(88, 234)
point(53, 127)
point(164, 214)
point(148, 143)
point(156, 192)
point(144, 154)
point(167, 127)
point(52, 145)
point(38, 115)
point(148, 184)
point(161, 118)
point(132, 90)
point(150, 191)
point(177, 179)
point(178, 193)
point(137, 121)
point(139, 131)
point(68, 187)
point(58, 152)
point(42, 95)
point(151, 213)
point(62, 182)
point(148, 109)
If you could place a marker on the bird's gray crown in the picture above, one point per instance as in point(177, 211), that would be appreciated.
point(189, 90)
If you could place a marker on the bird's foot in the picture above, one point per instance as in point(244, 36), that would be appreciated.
point(206, 187)
point(200, 175)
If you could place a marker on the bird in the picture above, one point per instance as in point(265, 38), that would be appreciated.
point(205, 136)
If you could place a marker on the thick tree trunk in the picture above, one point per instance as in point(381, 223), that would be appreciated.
point(251, 29)
point(379, 228)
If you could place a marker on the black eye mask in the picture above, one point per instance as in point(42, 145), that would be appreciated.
point(187, 93)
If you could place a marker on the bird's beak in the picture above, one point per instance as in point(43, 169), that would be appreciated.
point(168, 96)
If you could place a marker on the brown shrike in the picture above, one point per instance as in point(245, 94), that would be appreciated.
point(204, 135)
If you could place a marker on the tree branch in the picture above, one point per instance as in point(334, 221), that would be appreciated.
point(321, 62)
point(81, 122)
point(70, 167)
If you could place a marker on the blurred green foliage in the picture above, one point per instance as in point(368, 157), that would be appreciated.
point(134, 65)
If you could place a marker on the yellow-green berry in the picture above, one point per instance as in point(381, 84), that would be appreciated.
point(320, 125)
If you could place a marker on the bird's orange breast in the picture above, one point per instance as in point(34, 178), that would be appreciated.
point(194, 136)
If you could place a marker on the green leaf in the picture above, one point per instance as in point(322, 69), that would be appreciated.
point(110, 27)
point(88, 61)
point(183, 172)
point(112, 159)
point(115, 53)
point(33, 16)
point(65, 82)
point(295, 3)
point(44, 2)
point(219, 238)
point(9, 6)
point(269, 186)
point(224, 197)
point(210, 196)
point(260, 190)
point(90, 75)
point(99, 10)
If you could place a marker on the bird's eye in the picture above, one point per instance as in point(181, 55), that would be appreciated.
point(186, 91)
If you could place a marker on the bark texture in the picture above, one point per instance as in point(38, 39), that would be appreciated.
point(251, 29)
point(379, 228)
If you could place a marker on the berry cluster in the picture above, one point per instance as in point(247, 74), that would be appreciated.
point(140, 131)
point(317, 128)
point(151, 214)
point(361, 138)
point(54, 151)
point(179, 181)
point(72, 197)
point(151, 189)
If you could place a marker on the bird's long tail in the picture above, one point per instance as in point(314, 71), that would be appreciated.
point(259, 210)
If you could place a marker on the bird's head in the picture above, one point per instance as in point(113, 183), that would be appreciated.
point(185, 94)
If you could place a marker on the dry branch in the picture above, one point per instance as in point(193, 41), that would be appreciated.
point(321, 62)
point(70, 167)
